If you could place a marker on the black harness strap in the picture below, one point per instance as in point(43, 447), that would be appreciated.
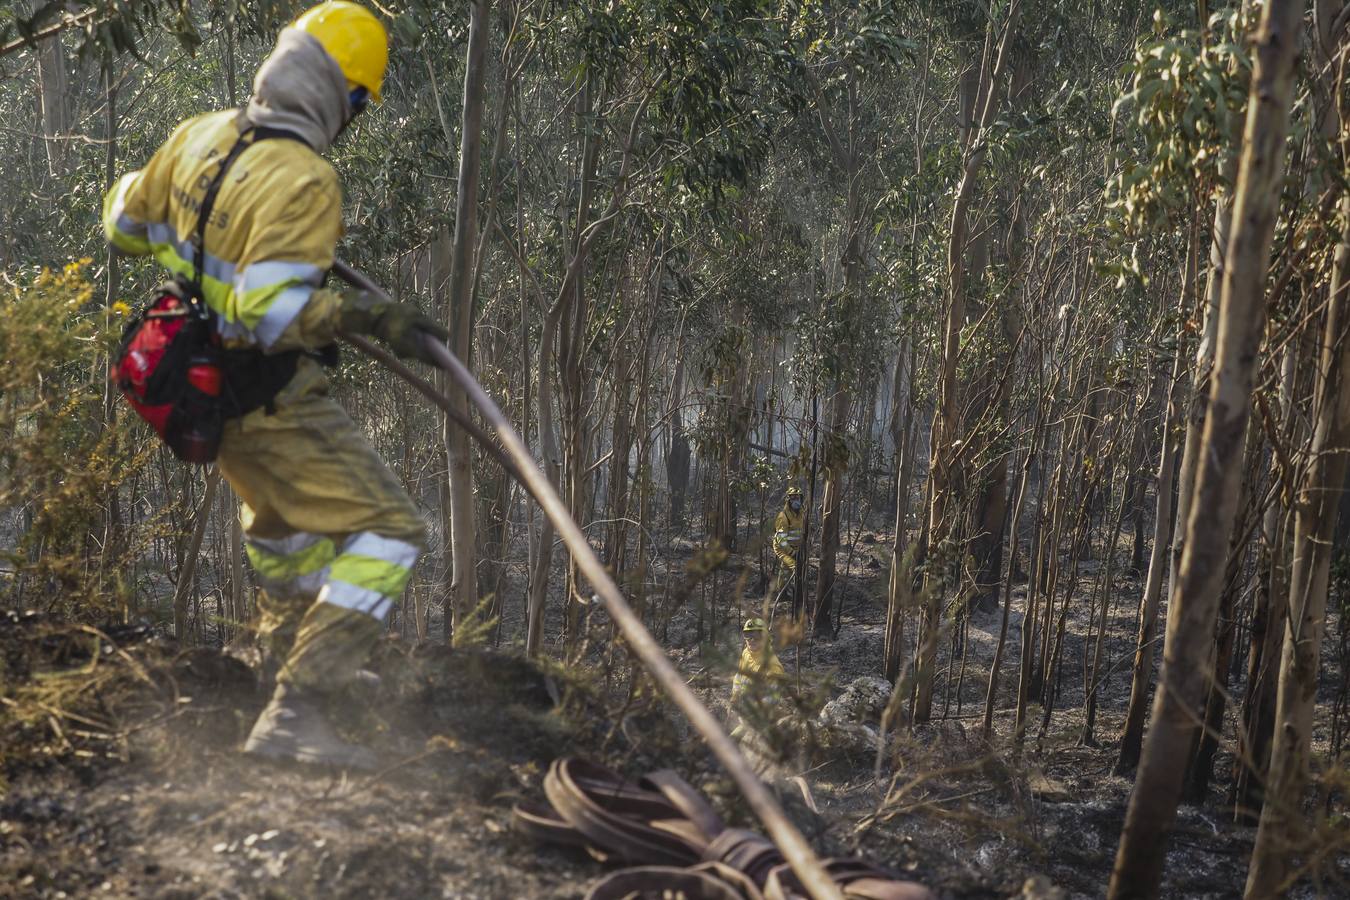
point(209, 204)
point(252, 378)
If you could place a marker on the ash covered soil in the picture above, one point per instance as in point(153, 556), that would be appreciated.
point(120, 773)
point(134, 786)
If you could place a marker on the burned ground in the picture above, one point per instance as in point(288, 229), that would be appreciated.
point(123, 777)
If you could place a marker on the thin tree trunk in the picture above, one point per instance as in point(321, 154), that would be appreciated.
point(1132, 738)
point(54, 101)
point(459, 456)
point(1190, 633)
point(1315, 512)
point(112, 513)
point(1204, 358)
point(548, 444)
point(187, 572)
point(946, 417)
point(1270, 605)
point(1164, 526)
point(1201, 764)
point(991, 694)
point(238, 603)
point(231, 91)
point(830, 512)
point(1093, 677)
point(542, 555)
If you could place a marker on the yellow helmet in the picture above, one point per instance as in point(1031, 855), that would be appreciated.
point(753, 625)
point(354, 37)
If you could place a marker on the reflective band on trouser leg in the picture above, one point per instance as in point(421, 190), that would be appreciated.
point(295, 565)
point(340, 629)
point(290, 571)
point(370, 574)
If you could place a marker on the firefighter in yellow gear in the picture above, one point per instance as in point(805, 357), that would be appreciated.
point(787, 530)
point(754, 688)
point(332, 535)
point(759, 662)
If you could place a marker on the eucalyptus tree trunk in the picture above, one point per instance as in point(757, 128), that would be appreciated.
point(1142, 676)
point(1201, 764)
point(1164, 526)
point(230, 61)
point(54, 103)
point(463, 529)
point(900, 583)
point(677, 447)
point(1190, 633)
point(496, 496)
point(238, 606)
point(113, 531)
point(1270, 604)
point(847, 161)
point(550, 347)
point(947, 415)
point(1271, 598)
point(1315, 513)
point(1093, 676)
point(621, 448)
point(571, 347)
point(830, 510)
point(991, 692)
point(992, 511)
point(542, 555)
point(1204, 357)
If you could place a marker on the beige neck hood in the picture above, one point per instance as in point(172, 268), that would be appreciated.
point(300, 88)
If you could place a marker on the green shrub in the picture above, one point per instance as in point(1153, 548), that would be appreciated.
point(63, 455)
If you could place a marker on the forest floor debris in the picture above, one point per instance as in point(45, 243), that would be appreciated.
point(122, 777)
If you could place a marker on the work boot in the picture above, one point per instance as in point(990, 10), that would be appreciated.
point(292, 727)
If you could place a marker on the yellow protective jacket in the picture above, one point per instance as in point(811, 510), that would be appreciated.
point(756, 666)
point(787, 536)
point(270, 241)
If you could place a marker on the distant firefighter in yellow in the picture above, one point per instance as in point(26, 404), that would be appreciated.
point(788, 530)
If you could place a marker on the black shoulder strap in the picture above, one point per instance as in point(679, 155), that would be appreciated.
point(209, 201)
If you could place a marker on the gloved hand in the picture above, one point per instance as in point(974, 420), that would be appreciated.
point(400, 325)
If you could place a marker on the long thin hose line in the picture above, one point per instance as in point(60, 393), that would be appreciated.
point(428, 390)
point(798, 853)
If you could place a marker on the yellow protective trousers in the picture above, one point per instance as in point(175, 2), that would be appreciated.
point(332, 535)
